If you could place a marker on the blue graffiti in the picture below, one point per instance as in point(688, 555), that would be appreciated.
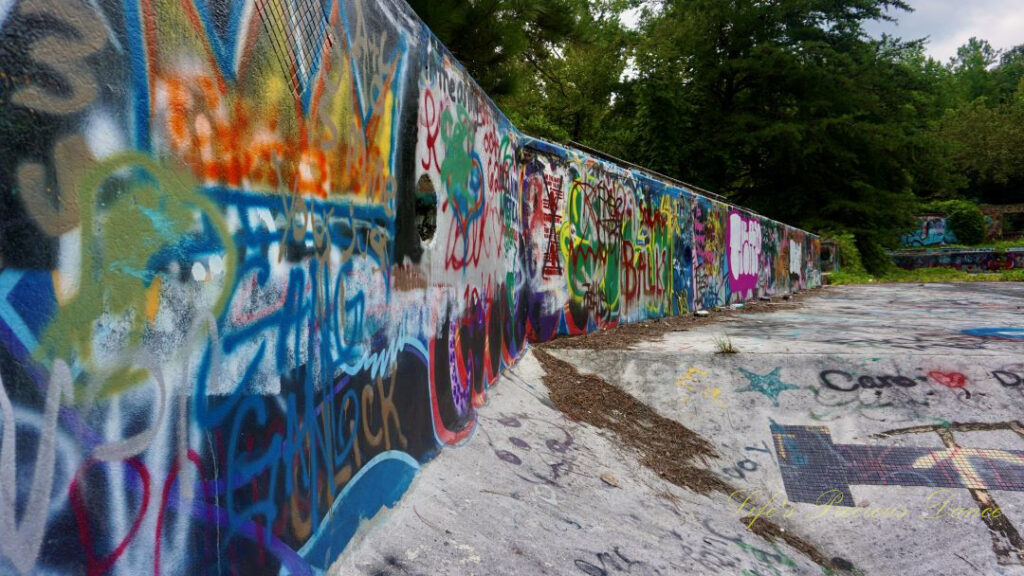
point(997, 333)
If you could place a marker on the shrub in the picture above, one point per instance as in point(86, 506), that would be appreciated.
point(874, 257)
point(968, 223)
point(849, 256)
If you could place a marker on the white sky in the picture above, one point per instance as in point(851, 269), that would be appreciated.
point(948, 24)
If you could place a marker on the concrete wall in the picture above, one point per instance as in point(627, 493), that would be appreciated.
point(254, 273)
point(1003, 222)
point(972, 261)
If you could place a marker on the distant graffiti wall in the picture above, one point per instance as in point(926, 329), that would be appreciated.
point(972, 261)
point(930, 231)
point(260, 260)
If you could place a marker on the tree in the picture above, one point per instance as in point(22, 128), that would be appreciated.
point(988, 148)
point(971, 67)
point(968, 223)
point(785, 106)
point(490, 37)
point(573, 88)
point(789, 108)
point(1008, 76)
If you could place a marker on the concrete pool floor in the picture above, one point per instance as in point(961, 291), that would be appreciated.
point(869, 429)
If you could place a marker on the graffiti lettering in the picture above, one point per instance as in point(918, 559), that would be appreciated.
point(744, 251)
point(746, 466)
point(616, 563)
point(72, 158)
point(1008, 379)
point(66, 56)
point(845, 382)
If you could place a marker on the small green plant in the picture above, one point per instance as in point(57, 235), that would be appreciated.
point(724, 345)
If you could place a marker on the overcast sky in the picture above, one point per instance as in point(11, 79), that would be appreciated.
point(950, 23)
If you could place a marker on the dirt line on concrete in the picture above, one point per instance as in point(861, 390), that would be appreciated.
point(772, 532)
point(665, 446)
point(627, 335)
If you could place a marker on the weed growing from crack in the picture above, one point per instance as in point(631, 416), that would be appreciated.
point(724, 345)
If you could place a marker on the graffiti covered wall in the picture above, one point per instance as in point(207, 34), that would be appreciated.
point(971, 261)
point(260, 260)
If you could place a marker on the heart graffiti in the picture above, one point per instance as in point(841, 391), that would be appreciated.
point(949, 379)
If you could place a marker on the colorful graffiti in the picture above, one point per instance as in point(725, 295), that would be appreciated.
point(812, 466)
point(745, 243)
point(224, 339)
point(971, 261)
point(932, 231)
point(710, 252)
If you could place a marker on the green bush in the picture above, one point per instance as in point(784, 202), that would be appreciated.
point(849, 255)
point(841, 278)
point(968, 223)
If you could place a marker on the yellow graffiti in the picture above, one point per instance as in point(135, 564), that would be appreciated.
point(691, 383)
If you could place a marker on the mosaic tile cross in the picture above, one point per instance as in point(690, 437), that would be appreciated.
point(811, 465)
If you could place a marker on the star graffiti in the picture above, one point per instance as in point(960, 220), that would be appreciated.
point(771, 385)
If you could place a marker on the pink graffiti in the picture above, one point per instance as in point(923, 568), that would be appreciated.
point(744, 252)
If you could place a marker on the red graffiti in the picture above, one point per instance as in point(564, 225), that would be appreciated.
point(474, 241)
point(949, 379)
point(492, 150)
point(168, 484)
point(432, 122)
point(95, 566)
point(548, 195)
point(643, 274)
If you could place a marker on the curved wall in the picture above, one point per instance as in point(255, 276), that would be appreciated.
point(262, 259)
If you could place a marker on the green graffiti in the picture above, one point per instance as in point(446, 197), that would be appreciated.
point(767, 559)
point(590, 239)
point(461, 177)
point(132, 208)
point(660, 254)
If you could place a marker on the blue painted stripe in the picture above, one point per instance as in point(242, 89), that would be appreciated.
point(380, 483)
point(139, 73)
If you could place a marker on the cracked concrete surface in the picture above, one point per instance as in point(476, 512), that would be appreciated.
point(904, 401)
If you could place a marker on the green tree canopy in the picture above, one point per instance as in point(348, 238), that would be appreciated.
point(490, 37)
point(786, 107)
